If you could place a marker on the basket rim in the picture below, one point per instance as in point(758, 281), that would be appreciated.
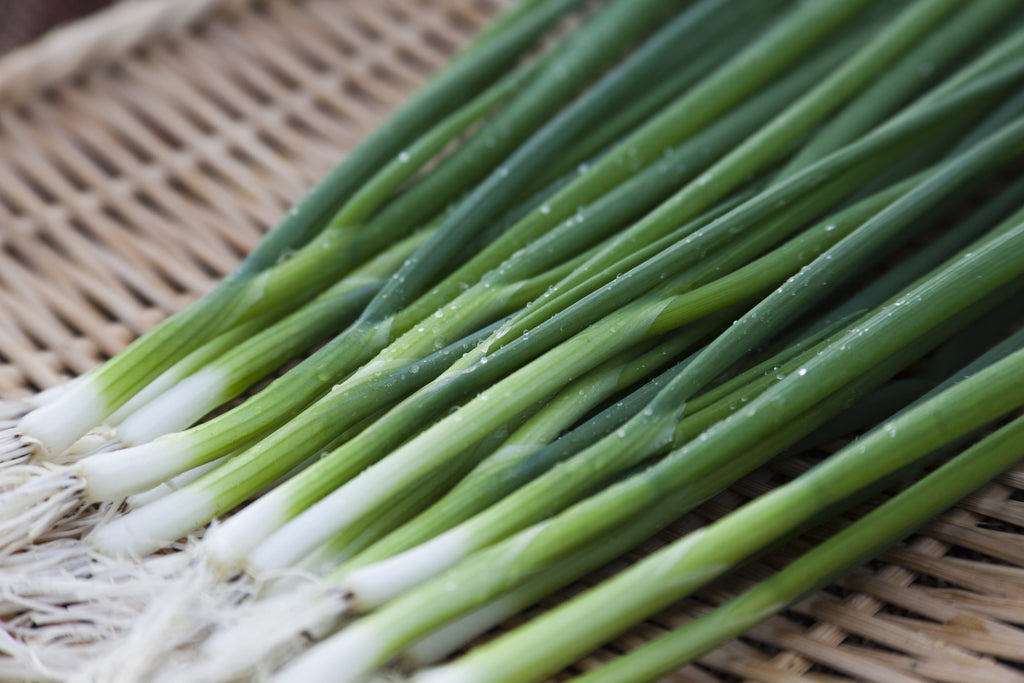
point(75, 47)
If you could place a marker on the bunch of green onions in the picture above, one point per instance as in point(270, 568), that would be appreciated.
point(571, 290)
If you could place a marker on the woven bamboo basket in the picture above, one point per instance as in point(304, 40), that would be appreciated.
point(143, 151)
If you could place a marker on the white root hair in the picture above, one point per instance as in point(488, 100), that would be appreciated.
point(253, 638)
point(36, 499)
point(71, 613)
point(43, 499)
point(13, 449)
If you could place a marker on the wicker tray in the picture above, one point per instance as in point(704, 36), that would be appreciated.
point(144, 150)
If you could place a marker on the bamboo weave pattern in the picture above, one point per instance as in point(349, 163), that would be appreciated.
point(136, 170)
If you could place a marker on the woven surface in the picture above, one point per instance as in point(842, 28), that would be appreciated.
point(132, 180)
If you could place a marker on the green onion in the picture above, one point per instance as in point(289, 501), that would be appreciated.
point(274, 509)
point(290, 393)
point(503, 472)
point(236, 369)
point(61, 422)
point(758, 208)
point(492, 281)
point(378, 636)
point(114, 475)
point(916, 69)
point(792, 296)
point(504, 467)
point(447, 438)
point(676, 570)
point(701, 635)
point(296, 379)
point(866, 538)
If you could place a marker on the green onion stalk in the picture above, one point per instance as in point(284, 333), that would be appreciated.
point(646, 432)
point(493, 298)
point(517, 436)
point(447, 438)
point(437, 396)
point(506, 470)
point(698, 469)
point(286, 594)
point(244, 293)
point(460, 632)
point(507, 464)
point(766, 147)
point(869, 536)
point(267, 410)
point(577, 60)
point(195, 388)
point(920, 67)
point(700, 556)
point(58, 492)
point(234, 493)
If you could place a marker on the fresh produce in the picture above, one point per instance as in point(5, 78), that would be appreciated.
point(594, 273)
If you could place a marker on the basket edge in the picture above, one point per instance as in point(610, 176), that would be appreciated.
point(93, 41)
